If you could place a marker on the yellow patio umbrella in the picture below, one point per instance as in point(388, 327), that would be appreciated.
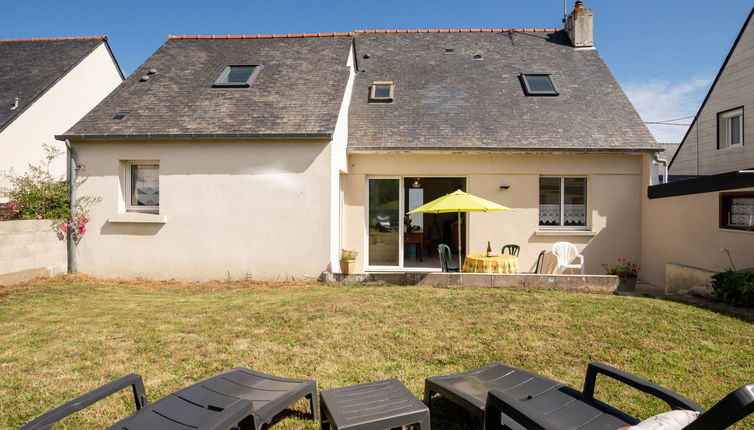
point(458, 201)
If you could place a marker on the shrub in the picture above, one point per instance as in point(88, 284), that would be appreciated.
point(37, 194)
point(734, 287)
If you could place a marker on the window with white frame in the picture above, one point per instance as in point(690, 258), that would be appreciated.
point(730, 128)
point(562, 202)
point(143, 186)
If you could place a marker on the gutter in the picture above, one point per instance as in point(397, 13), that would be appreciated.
point(318, 135)
point(664, 162)
point(70, 242)
point(484, 150)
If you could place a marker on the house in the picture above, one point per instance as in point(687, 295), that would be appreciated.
point(721, 136)
point(46, 86)
point(227, 157)
point(709, 207)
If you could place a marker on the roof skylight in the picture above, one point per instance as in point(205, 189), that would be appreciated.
point(538, 84)
point(237, 76)
point(381, 92)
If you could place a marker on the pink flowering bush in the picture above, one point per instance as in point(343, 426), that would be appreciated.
point(38, 194)
point(76, 227)
point(9, 211)
point(624, 269)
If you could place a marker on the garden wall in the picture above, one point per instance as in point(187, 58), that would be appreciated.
point(29, 249)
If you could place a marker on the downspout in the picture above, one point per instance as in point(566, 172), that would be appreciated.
point(659, 160)
point(70, 242)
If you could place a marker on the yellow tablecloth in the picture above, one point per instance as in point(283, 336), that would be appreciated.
point(480, 263)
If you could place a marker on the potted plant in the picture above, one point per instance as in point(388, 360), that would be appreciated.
point(348, 261)
point(627, 273)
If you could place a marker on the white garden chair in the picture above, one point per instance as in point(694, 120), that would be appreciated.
point(566, 252)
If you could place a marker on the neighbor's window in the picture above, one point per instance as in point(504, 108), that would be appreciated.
point(143, 186)
point(381, 92)
point(538, 84)
point(562, 202)
point(730, 128)
point(237, 76)
point(737, 211)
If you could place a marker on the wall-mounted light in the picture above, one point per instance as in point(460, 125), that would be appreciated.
point(417, 183)
point(504, 187)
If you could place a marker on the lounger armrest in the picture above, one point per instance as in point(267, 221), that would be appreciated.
point(728, 411)
point(674, 400)
point(498, 402)
point(47, 420)
point(230, 417)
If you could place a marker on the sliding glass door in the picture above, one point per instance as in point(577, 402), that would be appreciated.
point(385, 223)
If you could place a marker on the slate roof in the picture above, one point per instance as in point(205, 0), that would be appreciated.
point(297, 92)
point(29, 67)
point(450, 101)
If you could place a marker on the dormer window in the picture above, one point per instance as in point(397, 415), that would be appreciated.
point(381, 92)
point(538, 84)
point(237, 76)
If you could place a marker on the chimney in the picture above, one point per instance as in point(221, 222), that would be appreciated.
point(580, 26)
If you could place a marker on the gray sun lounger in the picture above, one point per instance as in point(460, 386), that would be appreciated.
point(506, 397)
point(240, 398)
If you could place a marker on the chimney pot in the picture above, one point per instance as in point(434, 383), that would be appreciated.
point(579, 4)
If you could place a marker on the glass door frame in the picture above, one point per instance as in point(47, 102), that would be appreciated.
point(401, 212)
point(401, 207)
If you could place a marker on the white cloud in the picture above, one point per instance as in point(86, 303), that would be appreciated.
point(660, 100)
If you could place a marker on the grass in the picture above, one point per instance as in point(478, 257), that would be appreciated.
point(60, 338)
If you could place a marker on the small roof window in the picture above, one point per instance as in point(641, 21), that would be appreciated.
point(381, 92)
point(118, 117)
point(237, 76)
point(538, 84)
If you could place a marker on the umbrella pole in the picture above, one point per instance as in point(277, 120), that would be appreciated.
point(460, 264)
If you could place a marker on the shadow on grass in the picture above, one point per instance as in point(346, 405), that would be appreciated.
point(737, 312)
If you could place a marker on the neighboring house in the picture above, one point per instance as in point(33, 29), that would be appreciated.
point(263, 156)
point(709, 204)
point(721, 136)
point(46, 86)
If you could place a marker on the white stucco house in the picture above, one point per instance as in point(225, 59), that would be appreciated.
point(46, 86)
point(263, 156)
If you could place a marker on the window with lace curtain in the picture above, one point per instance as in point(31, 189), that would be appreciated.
point(562, 202)
point(737, 210)
point(143, 186)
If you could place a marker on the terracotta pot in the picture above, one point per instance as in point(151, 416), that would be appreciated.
point(626, 284)
point(347, 266)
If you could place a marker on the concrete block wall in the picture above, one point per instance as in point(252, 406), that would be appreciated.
point(29, 249)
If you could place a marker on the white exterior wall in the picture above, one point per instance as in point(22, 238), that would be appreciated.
point(233, 210)
point(56, 111)
point(339, 164)
point(614, 190)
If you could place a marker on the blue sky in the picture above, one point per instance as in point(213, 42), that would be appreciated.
point(664, 53)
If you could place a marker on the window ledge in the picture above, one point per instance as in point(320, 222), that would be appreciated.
point(735, 230)
point(565, 233)
point(138, 218)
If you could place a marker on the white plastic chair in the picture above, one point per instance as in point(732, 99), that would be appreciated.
point(566, 252)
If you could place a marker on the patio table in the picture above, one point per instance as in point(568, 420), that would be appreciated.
point(480, 263)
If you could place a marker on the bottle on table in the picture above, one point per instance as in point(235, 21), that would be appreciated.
point(489, 249)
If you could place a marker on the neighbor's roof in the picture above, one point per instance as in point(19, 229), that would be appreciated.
point(451, 101)
point(29, 67)
point(297, 92)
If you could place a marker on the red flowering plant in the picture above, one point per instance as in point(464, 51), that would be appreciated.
point(9, 211)
point(38, 194)
point(624, 269)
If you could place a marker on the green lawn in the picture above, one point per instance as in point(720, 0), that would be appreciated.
point(62, 337)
